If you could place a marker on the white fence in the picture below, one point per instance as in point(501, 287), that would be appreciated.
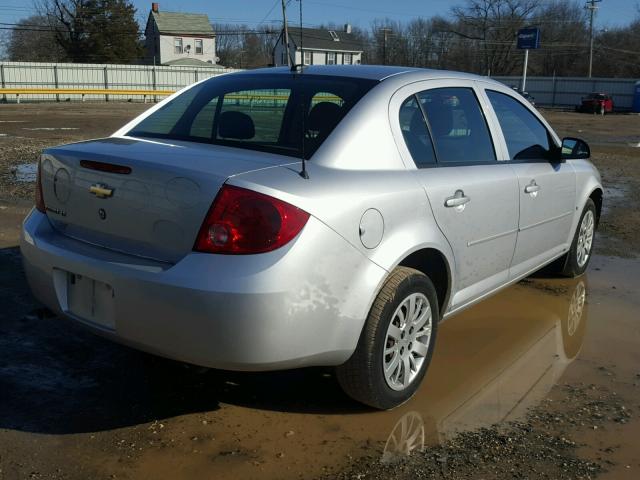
point(97, 76)
point(568, 91)
point(552, 91)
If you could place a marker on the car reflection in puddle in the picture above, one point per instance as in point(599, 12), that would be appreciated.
point(493, 363)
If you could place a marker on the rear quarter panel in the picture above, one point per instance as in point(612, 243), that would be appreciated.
point(339, 198)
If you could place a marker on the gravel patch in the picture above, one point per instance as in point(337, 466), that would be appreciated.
point(539, 447)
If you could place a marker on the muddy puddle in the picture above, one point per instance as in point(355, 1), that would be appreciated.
point(615, 193)
point(492, 364)
point(25, 172)
point(128, 414)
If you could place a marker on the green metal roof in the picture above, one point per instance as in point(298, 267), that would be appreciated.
point(173, 23)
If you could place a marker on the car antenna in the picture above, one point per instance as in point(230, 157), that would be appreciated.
point(294, 68)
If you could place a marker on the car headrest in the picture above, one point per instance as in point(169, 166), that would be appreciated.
point(323, 116)
point(236, 125)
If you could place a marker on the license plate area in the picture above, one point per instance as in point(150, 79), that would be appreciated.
point(90, 300)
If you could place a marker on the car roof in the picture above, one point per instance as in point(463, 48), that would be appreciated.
point(370, 72)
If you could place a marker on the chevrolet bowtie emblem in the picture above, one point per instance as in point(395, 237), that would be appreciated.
point(101, 190)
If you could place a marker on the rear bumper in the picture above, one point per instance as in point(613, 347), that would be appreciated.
point(302, 305)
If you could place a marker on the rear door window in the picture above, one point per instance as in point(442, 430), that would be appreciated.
point(460, 132)
point(526, 137)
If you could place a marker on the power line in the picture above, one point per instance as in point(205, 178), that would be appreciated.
point(275, 4)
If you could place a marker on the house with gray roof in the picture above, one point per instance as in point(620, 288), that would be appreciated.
point(173, 38)
point(318, 46)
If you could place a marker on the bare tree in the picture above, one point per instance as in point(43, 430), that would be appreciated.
point(68, 19)
point(228, 43)
point(240, 47)
point(32, 40)
point(564, 39)
point(617, 52)
point(389, 42)
point(492, 25)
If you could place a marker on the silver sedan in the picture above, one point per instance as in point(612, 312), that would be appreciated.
point(332, 216)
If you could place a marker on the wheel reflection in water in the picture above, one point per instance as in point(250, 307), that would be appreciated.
point(406, 437)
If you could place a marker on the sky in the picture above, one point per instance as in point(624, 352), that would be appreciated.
point(357, 12)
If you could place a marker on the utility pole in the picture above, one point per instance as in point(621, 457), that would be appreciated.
point(286, 32)
point(385, 33)
point(591, 6)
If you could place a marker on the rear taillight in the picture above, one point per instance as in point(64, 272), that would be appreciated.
point(242, 222)
point(39, 198)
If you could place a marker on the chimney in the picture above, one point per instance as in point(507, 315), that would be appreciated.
point(155, 7)
point(347, 28)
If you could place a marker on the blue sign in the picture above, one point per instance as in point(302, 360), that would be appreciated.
point(636, 98)
point(529, 38)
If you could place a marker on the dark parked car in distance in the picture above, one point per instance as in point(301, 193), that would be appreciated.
point(596, 103)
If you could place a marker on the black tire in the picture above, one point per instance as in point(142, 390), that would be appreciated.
point(362, 376)
point(567, 265)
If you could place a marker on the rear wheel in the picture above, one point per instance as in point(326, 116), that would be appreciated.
point(575, 261)
point(396, 344)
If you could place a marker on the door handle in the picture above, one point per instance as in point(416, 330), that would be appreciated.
point(532, 187)
point(458, 200)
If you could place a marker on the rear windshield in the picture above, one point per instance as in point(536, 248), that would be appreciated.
point(283, 114)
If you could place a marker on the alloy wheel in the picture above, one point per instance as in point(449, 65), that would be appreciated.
point(585, 239)
point(407, 341)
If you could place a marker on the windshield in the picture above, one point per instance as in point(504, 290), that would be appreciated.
point(267, 112)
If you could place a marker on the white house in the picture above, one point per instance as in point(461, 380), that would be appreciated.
point(179, 38)
point(316, 46)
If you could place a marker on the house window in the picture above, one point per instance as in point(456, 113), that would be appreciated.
point(347, 58)
point(283, 59)
point(331, 58)
point(308, 58)
point(199, 49)
point(177, 45)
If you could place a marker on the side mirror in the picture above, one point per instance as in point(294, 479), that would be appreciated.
point(574, 149)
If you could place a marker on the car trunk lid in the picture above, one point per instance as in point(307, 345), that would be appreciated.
point(141, 197)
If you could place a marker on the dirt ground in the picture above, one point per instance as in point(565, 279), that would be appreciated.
point(540, 381)
point(610, 139)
